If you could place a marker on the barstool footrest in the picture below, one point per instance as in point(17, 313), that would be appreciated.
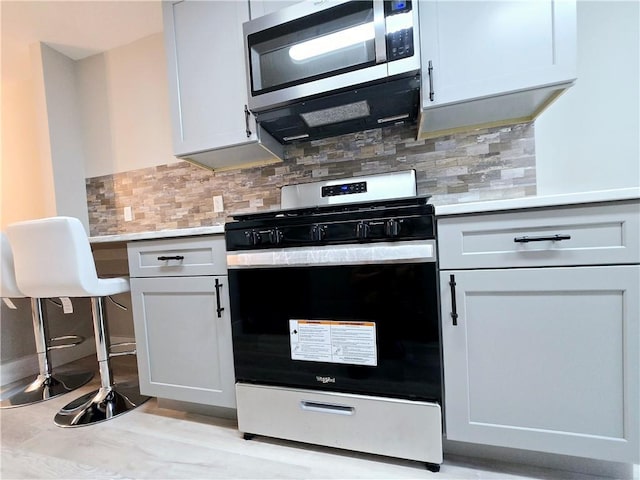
point(75, 340)
point(126, 352)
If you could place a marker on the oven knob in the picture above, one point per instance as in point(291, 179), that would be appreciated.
point(362, 230)
point(253, 237)
point(392, 228)
point(275, 236)
point(318, 233)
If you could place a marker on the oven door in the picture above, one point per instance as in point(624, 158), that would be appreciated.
point(354, 318)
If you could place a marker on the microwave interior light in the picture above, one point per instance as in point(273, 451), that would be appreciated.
point(341, 113)
point(399, 22)
point(332, 42)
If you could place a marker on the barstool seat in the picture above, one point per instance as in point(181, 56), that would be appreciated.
point(45, 385)
point(53, 259)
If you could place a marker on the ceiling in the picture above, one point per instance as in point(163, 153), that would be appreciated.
point(77, 29)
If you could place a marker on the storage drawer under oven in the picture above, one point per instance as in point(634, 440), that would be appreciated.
point(393, 427)
point(192, 256)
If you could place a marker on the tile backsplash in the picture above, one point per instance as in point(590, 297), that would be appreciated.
point(486, 164)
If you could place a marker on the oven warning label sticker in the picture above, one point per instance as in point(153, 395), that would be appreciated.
point(352, 343)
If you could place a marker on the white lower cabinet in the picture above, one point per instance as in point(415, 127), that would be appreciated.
point(544, 359)
point(182, 323)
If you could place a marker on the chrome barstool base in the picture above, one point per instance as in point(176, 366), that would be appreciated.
point(100, 405)
point(42, 388)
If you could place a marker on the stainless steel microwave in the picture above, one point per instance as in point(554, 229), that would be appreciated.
point(317, 47)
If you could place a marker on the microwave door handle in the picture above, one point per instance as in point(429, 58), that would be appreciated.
point(380, 31)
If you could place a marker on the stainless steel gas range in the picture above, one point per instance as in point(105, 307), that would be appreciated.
point(335, 318)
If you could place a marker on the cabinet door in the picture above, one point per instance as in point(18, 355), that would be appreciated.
point(184, 345)
point(486, 48)
point(207, 78)
point(260, 8)
point(544, 359)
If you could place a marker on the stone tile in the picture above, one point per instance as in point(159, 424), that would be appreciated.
point(483, 164)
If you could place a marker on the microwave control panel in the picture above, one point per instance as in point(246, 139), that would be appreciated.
point(399, 33)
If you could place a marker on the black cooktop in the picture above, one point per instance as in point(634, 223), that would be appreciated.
point(407, 218)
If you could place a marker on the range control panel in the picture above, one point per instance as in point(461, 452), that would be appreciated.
point(344, 189)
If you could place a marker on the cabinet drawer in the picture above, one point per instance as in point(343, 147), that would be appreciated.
point(589, 235)
point(412, 430)
point(178, 257)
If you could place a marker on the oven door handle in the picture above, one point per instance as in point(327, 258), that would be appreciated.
point(353, 254)
point(322, 407)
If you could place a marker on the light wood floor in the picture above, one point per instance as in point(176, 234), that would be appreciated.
point(157, 443)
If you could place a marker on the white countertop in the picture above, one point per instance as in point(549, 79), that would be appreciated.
point(539, 201)
point(178, 232)
point(441, 210)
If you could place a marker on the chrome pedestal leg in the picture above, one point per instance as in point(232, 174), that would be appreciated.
point(110, 400)
point(45, 385)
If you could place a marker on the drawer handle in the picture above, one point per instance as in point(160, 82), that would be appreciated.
point(326, 408)
point(175, 257)
point(549, 238)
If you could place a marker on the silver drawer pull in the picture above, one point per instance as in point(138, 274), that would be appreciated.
point(548, 238)
point(327, 408)
point(175, 257)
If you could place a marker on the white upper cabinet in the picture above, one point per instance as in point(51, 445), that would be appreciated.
point(207, 86)
point(259, 8)
point(489, 63)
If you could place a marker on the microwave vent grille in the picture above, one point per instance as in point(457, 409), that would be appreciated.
point(340, 113)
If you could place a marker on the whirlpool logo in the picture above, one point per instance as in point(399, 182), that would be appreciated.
point(325, 379)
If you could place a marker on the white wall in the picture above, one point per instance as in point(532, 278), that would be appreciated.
point(42, 159)
point(60, 131)
point(26, 185)
point(125, 108)
point(589, 139)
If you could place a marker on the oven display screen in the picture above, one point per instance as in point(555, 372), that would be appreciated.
point(344, 189)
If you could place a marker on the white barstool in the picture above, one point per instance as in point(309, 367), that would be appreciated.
point(45, 385)
point(53, 259)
